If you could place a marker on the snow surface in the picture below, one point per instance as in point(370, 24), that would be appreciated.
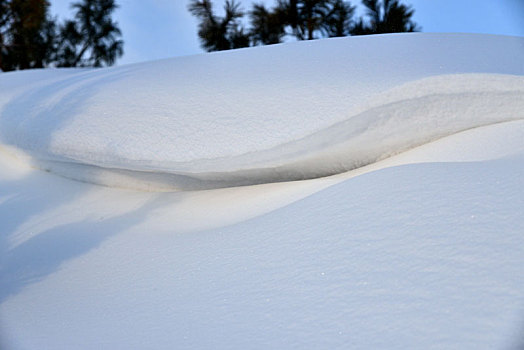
point(276, 113)
point(421, 245)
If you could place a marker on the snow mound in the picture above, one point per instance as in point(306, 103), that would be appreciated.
point(421, 249)
point(266, 114)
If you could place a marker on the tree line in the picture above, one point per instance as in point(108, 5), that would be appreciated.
point(301, 19)
point(31, 38)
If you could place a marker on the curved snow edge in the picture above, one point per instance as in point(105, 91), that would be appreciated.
point(399, 120)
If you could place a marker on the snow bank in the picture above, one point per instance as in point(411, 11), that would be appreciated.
point(390, 255)
point(264, 114)
point(416, 256)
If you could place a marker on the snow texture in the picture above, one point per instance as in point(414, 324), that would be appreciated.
point(421, 245)
point(277, 113)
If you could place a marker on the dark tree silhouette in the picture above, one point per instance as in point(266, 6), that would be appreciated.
point(26, 34)
point(4, 30)
point(302, 19)
point(267, 26)
point(385, 16)
point(338, 20)
point(219, 33)
point(305, 16)
point(306, 19)
point(92, 39)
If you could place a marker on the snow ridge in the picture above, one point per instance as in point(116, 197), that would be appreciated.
point(232, 119)
point(435, 108)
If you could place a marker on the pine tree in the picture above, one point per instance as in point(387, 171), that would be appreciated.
point(338, 20)
point(219, 33)
point(26, 34)
point(386, 16)
point(267, 26)
point(93, 38)
point(4, 21)
point(302, 19)
point(310, 19)
point(305, 16)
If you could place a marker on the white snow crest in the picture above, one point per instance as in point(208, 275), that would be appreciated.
point(232, 119)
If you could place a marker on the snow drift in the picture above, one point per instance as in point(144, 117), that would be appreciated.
point(422, 249)
point(278, 113)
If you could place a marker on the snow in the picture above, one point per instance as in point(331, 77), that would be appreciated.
point(414, 241)
point(276, 113)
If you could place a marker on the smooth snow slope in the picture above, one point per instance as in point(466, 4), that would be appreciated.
point(423, 249)
point(416, 256)
point(266, 114)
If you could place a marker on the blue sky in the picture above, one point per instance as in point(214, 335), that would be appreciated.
point(155, 29)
